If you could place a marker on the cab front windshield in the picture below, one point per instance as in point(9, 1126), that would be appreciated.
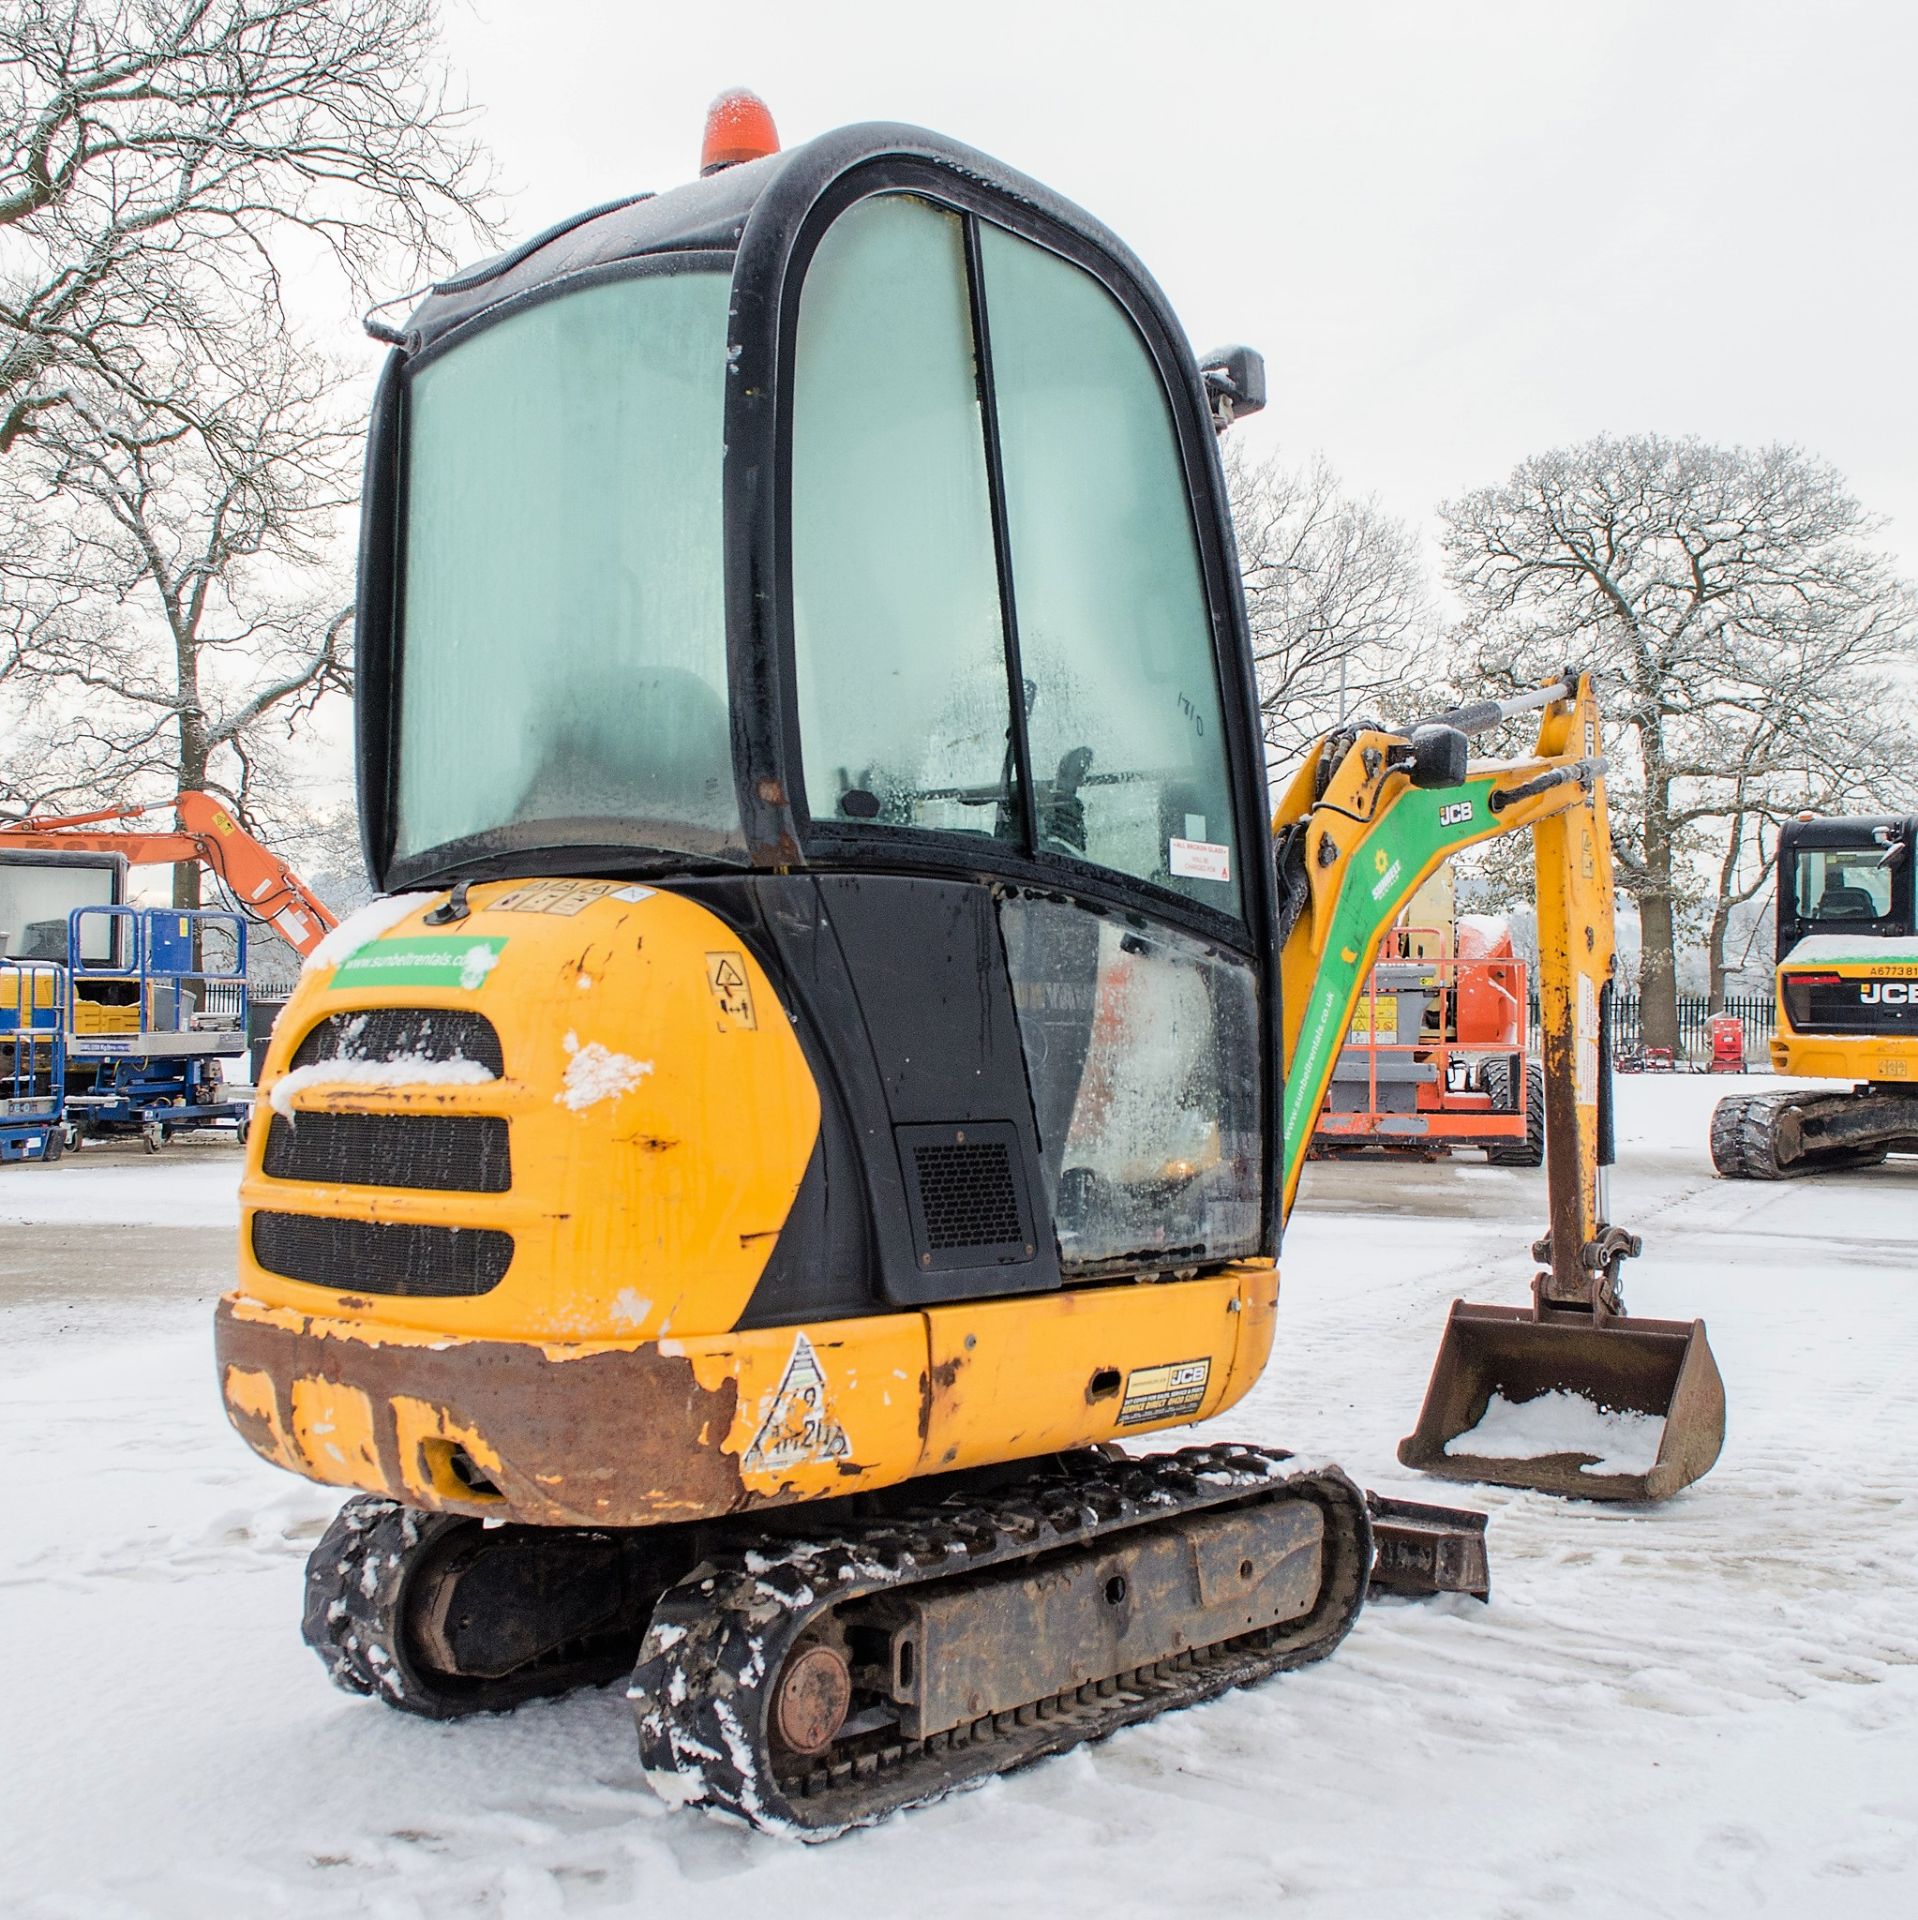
point(562, 658)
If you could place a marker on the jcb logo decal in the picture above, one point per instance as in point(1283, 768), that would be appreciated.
point(1456, 814)
point(1889, 993)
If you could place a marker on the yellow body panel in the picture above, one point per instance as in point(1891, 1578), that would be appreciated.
point(1038, 1375)
point(657, 1139)
point(1844, 1056)
point(661, 1118)
point(1852, 1056)
point(90, 1017)
point(44, 990)
point(634, 1433)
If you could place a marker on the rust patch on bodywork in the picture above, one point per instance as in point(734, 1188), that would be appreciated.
point(940, 1379)
point(619, 1437)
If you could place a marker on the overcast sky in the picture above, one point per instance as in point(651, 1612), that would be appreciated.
point(1460, 233)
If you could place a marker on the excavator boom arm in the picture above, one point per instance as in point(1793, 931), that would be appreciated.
point(1355, 840)
point(1356, 835)
point(263, 884)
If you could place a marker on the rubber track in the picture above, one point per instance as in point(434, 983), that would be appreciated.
point(357, 1600)
point(701, 1689)
point(355, 1577)
point(1745, 1137)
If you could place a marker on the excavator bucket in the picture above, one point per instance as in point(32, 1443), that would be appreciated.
point(1607, 1409)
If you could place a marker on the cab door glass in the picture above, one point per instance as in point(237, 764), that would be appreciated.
point(1142, 1054)
point(903, 695)
point(1128, 747)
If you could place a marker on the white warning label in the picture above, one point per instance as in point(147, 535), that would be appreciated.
point(1200, 860)
point(1585, 1059)
point(798, 1428)
point(732, 995)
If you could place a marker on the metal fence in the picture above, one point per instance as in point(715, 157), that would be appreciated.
point(1757, 1010)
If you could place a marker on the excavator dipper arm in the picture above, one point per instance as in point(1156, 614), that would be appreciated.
point(1367, 818)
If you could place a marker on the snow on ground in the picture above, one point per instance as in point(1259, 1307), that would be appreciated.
point(192, 1183)
point(1705, 1708)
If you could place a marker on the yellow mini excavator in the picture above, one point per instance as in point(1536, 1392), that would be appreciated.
point(1847, 1007)
point(842, 1035)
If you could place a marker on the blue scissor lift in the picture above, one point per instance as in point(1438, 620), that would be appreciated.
point(33, 1059)
point(148, 1025)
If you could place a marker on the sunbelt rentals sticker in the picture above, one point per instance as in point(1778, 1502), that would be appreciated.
point(447, 961)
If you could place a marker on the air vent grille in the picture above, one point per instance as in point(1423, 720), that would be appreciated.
point(404, 1033)
point(437, 1152)
point(968, 1195)
point(371, 1256)
point(966, 1190)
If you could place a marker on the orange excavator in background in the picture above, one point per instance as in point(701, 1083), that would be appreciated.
point(1439, 1054)
point(258, 881)
point(115, 1018)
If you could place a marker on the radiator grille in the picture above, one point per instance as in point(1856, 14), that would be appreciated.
point(371, 1256)
point(440, 1152)
point(402, 1033)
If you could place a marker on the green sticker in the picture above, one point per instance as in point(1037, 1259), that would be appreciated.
point(446, 961)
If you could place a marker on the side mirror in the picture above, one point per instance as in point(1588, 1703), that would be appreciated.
point(1234, 384)
point(1438, 757)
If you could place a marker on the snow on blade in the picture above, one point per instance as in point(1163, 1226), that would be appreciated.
point(1563, 1422)
point(408, 1070)
point(595, 1073)
point(368, 923)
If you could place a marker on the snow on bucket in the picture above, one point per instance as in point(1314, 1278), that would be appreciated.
point(1617, 1409)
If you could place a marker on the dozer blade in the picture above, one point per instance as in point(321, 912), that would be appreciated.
point(1620, 1409)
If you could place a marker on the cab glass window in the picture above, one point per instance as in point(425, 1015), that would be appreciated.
point(1142, 1053)
point(563, 645)
point(1128, 749)
point(1844, 884)
point(902, 690)
point(36, 903)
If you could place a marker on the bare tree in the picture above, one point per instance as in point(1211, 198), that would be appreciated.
point(1335, 593)
point(185, 609)
point(1752, 634)
point(1850, 759)
point(176, 455)
point(161, 160)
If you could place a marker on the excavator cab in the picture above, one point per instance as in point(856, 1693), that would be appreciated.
point(842, 537)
